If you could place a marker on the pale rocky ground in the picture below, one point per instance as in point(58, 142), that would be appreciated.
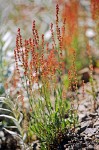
point(88, 117)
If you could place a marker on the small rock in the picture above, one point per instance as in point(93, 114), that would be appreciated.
point(93, 115)
point(96, 123)
point(97, 136)
point(3, 138)
point(97, 111)
point(0, 141)
point(85, 124)
point(1, 134)
point(36, 145)
point(81, 108)
point(83, 145)
point(77, 146)
point(66, 146)
point(89, 139)
point(85, 137)
point(90, 147)
point(86, 104)
point(85, 74)
point(89, 118)
point(82, 135)
point(90, 131)
point(82, 117)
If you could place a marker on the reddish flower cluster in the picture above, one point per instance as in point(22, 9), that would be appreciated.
point(70, 15)
point(36, 64)
point(58, 30)
point(52, 35)
point(95, 9)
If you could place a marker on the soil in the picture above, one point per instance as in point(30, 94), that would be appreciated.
point(8, 142)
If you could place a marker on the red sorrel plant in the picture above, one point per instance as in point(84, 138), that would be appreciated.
point(70, 39)
point(93, 89)
point(39, 65)
point(95, 9)
point(95, 17)
point(70, 14)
